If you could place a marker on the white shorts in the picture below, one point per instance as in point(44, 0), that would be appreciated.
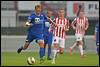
point(60, 41)
point(79, 37)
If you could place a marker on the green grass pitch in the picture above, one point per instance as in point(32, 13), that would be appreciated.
point(15, 59)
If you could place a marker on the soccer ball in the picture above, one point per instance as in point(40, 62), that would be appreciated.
point(30, 60)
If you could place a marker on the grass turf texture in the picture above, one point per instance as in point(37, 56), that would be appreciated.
point(15, 59)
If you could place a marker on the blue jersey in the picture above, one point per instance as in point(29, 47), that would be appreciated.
point(97, 32)
point(47, 35)
point(46, 26)
point(38, 23)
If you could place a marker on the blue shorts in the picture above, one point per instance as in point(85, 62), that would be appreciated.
point(48, 38)
point(31, 37)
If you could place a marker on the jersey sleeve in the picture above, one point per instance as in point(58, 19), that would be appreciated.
point(87, 23)
point(30, 17)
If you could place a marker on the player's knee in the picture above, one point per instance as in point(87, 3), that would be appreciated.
point(61, 52)
point(55, 45)
point(41, 43)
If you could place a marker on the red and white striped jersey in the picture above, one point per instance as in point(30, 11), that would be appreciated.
point(80, 24)
point(59, 31)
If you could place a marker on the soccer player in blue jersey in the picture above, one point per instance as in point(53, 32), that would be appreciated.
point(48, 34)
point(35, 30)
point(97, 37)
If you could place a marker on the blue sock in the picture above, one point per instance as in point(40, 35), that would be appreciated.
point(44, 52)
point(49, 52)
point(98, 50)
point(44, 49)
point(41, 52)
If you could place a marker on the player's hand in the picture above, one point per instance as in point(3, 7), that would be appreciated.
point(66, 28)
point(28, 24)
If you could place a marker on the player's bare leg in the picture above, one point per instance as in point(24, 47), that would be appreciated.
point(71, 48)
point(23, 47)
point(41, 44)
point(61, 50)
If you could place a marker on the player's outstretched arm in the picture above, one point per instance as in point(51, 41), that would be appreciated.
point(51, 21)
point(73, 24)
point(87, 24)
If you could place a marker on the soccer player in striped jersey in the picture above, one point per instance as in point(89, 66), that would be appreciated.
point(96, 36)
point(80, 25)
point(58, 44)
